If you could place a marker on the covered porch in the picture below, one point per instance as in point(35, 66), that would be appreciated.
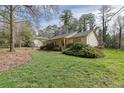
point(62, 42)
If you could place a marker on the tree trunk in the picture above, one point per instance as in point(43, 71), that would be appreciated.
point(103, 28)
point(84, 28)
point(114, 42)
point(11, 30)
point(100, 38)
point(67, 29)
point(120, 38)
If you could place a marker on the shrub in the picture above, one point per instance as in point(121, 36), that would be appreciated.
point(76, 46)
point(87, 52)
point(42, 47)
point(56, 48)
point(67, 51)
point(50, 46)
point(69, 45)
point(90, 52)
point(83, 51)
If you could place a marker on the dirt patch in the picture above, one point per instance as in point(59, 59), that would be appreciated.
point(11, 60)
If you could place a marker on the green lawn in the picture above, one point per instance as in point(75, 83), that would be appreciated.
point(53, 69)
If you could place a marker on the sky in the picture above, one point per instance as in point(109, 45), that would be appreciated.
point(77, 11)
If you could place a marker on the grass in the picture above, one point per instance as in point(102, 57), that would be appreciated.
point(53, 69)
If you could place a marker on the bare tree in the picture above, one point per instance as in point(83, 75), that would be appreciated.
point(87, 21)
point(120, 27)
point(105, 13)
point(12, 14)
point(114, 30)
point(66, 17)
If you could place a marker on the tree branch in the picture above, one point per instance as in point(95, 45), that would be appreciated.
point(4, 16)
point(4, 22)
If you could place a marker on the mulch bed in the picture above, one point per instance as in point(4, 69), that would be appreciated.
point(11, 60)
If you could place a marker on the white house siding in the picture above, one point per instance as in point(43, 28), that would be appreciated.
point(92, 40)
point(38, 43)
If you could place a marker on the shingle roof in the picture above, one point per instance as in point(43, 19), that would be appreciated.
point(74, 34)
point(64, 36)
point(59, 36)
point(82, 33)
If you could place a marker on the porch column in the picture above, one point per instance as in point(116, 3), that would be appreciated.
point(64, 42)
